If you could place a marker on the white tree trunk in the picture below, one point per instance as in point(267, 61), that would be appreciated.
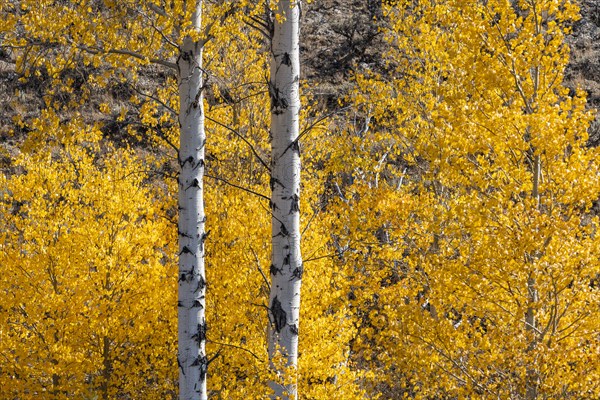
point(191, 357)
point(286, 260)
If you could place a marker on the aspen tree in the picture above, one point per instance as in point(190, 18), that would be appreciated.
point(110, 47)
point(484, 276)
point(154, 35)
point(192, 359)
point(286, 261)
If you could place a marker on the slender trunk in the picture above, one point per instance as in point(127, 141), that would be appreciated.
point(191, 357)
point(286, 260)
point(106, 366)
point(532, 379)
point(55, 382)
point(531, 389)
point(531, 386)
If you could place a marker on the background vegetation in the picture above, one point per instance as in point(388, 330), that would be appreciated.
point(450, 200)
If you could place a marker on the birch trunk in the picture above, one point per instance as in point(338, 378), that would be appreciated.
point(286, 260)
point(191, 356)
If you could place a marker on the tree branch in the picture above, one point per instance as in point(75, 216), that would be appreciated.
point(159, 10)
point(206, 32)
point(239, 135)
point(237, 186)
point(159, 101)
point(260, 269)
point(260, 26)
point(130, 53)
point(236, 347)
point(311, 126)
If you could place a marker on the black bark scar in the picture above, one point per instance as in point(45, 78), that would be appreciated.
point(195, 183)
point(275, 181)
point(186, 250)
point(278, 314)
point(295, 206)
point(200, 335)
point(274, 270)
point(297, 272)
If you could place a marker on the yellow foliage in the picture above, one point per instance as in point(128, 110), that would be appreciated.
point(421, 231)
point(87, 278)
point(459, 234)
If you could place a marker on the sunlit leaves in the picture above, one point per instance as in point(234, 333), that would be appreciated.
point(477, 95)
point(83, 255)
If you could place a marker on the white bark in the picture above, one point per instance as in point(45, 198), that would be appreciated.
point(191, 356)
point(286, 267)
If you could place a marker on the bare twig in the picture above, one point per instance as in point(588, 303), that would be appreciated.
point(311, 126)
point(235, 347)
point(93, 50)
point(239, 135)
point(260, 269)
point(237, 186)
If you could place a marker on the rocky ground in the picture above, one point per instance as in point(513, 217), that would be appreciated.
point(338, 37)
point(584, 68)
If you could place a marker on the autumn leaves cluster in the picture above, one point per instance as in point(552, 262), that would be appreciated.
point(449, 238)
